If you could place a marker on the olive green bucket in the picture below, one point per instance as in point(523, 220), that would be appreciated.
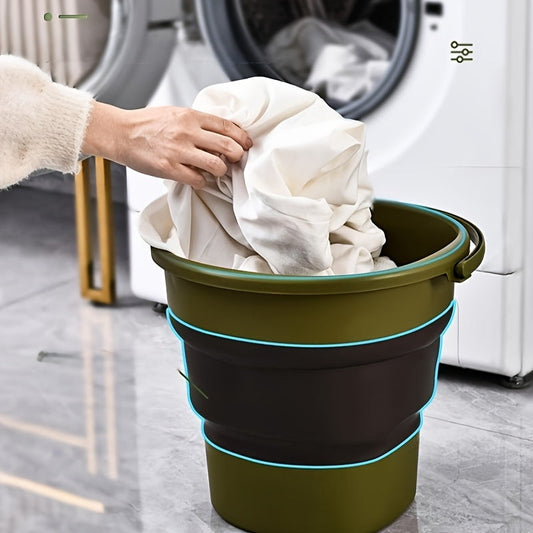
point(311, 389)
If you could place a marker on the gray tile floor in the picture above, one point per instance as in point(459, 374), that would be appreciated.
point(96, 434)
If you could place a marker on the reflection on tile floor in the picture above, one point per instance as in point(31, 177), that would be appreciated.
point(96, 433)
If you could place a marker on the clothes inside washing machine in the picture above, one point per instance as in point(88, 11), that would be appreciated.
point(353, 53)
point(340, 49)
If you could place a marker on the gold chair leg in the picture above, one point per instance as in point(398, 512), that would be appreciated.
point(104, 215)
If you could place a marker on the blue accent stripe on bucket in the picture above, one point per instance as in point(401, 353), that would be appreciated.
point(453, 307)
point(170, 314)
point(313, 467)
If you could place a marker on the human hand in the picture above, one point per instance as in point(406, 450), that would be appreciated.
point(168, 142)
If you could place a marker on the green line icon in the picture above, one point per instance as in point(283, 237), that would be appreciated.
point(73, 16)
point(193, 385)
point(48, 16)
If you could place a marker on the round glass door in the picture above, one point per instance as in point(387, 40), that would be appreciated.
point(352, 53)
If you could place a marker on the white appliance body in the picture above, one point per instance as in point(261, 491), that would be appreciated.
point(451, 136)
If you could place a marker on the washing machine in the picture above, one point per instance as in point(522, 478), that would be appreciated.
point(448, 120)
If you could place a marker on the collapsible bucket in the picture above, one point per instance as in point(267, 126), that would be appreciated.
point(311, 389)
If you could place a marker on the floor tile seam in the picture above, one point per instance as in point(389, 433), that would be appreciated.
point(31, 295)
point(502, 433)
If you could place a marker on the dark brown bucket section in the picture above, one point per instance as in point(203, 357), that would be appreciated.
point(310, 405)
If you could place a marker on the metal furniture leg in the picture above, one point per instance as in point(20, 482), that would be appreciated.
point(106, 293)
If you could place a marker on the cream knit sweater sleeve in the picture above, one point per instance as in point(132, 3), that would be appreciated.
point(42, 123)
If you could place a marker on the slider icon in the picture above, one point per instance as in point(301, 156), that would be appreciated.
point(461, 51)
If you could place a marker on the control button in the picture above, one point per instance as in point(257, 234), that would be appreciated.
point(434, 8)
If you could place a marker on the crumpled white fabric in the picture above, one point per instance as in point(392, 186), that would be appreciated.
point(297, 204)
point(341, 63)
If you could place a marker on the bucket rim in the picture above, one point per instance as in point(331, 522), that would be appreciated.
point(439, 263)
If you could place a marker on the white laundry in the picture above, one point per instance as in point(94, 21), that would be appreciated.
point(297, 204)
point(341, 63)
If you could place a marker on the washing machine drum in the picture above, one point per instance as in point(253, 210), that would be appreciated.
point(351, 52)
point(118, 50)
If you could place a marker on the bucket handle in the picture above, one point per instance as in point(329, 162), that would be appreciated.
point(464, 268)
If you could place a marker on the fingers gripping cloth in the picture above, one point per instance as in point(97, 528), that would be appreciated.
point(298, 203)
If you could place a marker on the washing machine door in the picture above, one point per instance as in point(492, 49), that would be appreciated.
point(116, 49)
point(351, 52)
